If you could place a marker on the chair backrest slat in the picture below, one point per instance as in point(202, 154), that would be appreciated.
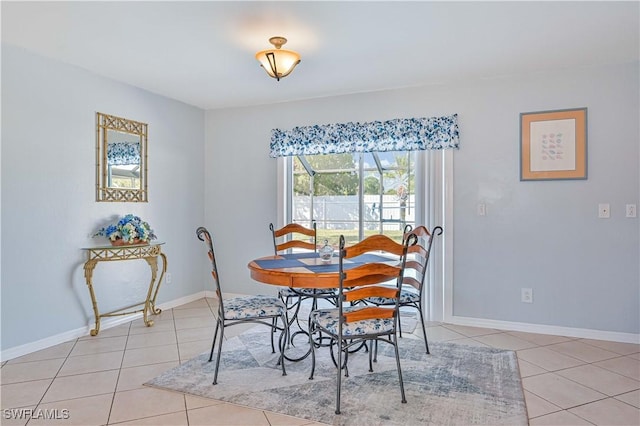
point(418, 255)
point(204, 235)
point(370, 291)
point(364, 281)
point(369, 312)
point(291, 234)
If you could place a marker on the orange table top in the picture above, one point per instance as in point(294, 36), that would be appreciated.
point(304, 270)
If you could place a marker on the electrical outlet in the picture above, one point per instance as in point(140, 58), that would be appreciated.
point(631, 210)
point(603, 211)
point(168, 277)
point(482, 209)
point(526, 295)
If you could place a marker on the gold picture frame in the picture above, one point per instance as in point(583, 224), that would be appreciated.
point(553, 144)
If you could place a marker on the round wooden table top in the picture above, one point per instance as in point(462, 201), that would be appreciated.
point(306, 270)
point(288, 272)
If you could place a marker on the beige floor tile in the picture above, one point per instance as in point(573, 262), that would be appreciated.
point(561, 418)
point(190, 350)
point(276, 419)
point(81, 385)
point(560, 391)
point(173, 419)
point(634, 356)
point(135, 377)
point(631, 398)
point(146, 402)
point(58, 351)
point(504, 341)
point(166, 314)
point(599, 379)
point(92, 410)
point(96, 346)
point(146, 356)
point(537, 406)
point(583, 351)
point(27, 371)
point(16, 416)
point(548, 359)
point(228, 415)
point(608, 412)
point(627, 366)
point(617, 347)
point(157, 327)
point(120, 330)
point(470, 331)
point(442, 334)
point(199, 402)
point(148, 340)
point(527, 369)
point(539, 339)
point(24, 394)
point(194, 322)
point(194, 334)
point(91, 363)
point(193, 313)
point(200, 303)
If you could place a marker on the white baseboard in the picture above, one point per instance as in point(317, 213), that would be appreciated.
point(554, 330)
point(105, 324)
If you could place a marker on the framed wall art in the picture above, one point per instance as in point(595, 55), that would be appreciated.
point(553, 144)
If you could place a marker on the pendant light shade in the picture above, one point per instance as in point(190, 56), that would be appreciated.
point(278, 63)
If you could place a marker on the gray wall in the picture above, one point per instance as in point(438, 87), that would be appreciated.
point(545, 235)
point(48, 195)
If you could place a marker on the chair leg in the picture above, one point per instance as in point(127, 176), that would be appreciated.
point(339, 370)
point(284, 336)
point(213, 345)
point(373, 342)
point(424, 330)
point(313, 351)
point(395, 345)
point(375, 349)
point(274, 323)
point(215, 376)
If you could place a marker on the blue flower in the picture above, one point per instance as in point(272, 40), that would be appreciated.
point(129, 228)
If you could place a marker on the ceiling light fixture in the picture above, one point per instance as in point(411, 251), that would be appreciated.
point(278, 63)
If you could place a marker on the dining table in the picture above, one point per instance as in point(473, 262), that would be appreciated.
point(306, 270)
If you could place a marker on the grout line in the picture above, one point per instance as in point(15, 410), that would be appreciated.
point(54, 377)
point(115, 389)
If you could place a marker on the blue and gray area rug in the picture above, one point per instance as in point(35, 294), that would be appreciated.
point(454, 385)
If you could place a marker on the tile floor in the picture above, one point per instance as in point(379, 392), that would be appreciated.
point(98, 380)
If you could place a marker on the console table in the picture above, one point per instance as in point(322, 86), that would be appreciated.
point(107, 253)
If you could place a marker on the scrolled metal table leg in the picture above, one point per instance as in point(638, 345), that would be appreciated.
point(89, 266)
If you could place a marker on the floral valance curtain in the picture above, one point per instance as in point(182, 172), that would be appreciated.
point(122, 153)
point(401, 134)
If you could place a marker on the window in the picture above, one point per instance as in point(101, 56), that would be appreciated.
point(355, 195)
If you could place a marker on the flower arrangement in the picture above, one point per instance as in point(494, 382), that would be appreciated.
point(128, 230)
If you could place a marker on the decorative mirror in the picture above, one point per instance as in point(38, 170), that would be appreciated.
point(121, 159)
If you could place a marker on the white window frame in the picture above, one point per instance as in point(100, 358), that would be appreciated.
point(434, 178)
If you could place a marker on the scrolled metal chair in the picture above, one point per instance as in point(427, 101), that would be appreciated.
point(351, 323)
point(412, 290)
point(241, 310)
point(286, 238)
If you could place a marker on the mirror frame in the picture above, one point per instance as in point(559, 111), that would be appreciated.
point(104, 123)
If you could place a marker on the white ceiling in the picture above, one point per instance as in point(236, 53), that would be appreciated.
point(202, 53)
